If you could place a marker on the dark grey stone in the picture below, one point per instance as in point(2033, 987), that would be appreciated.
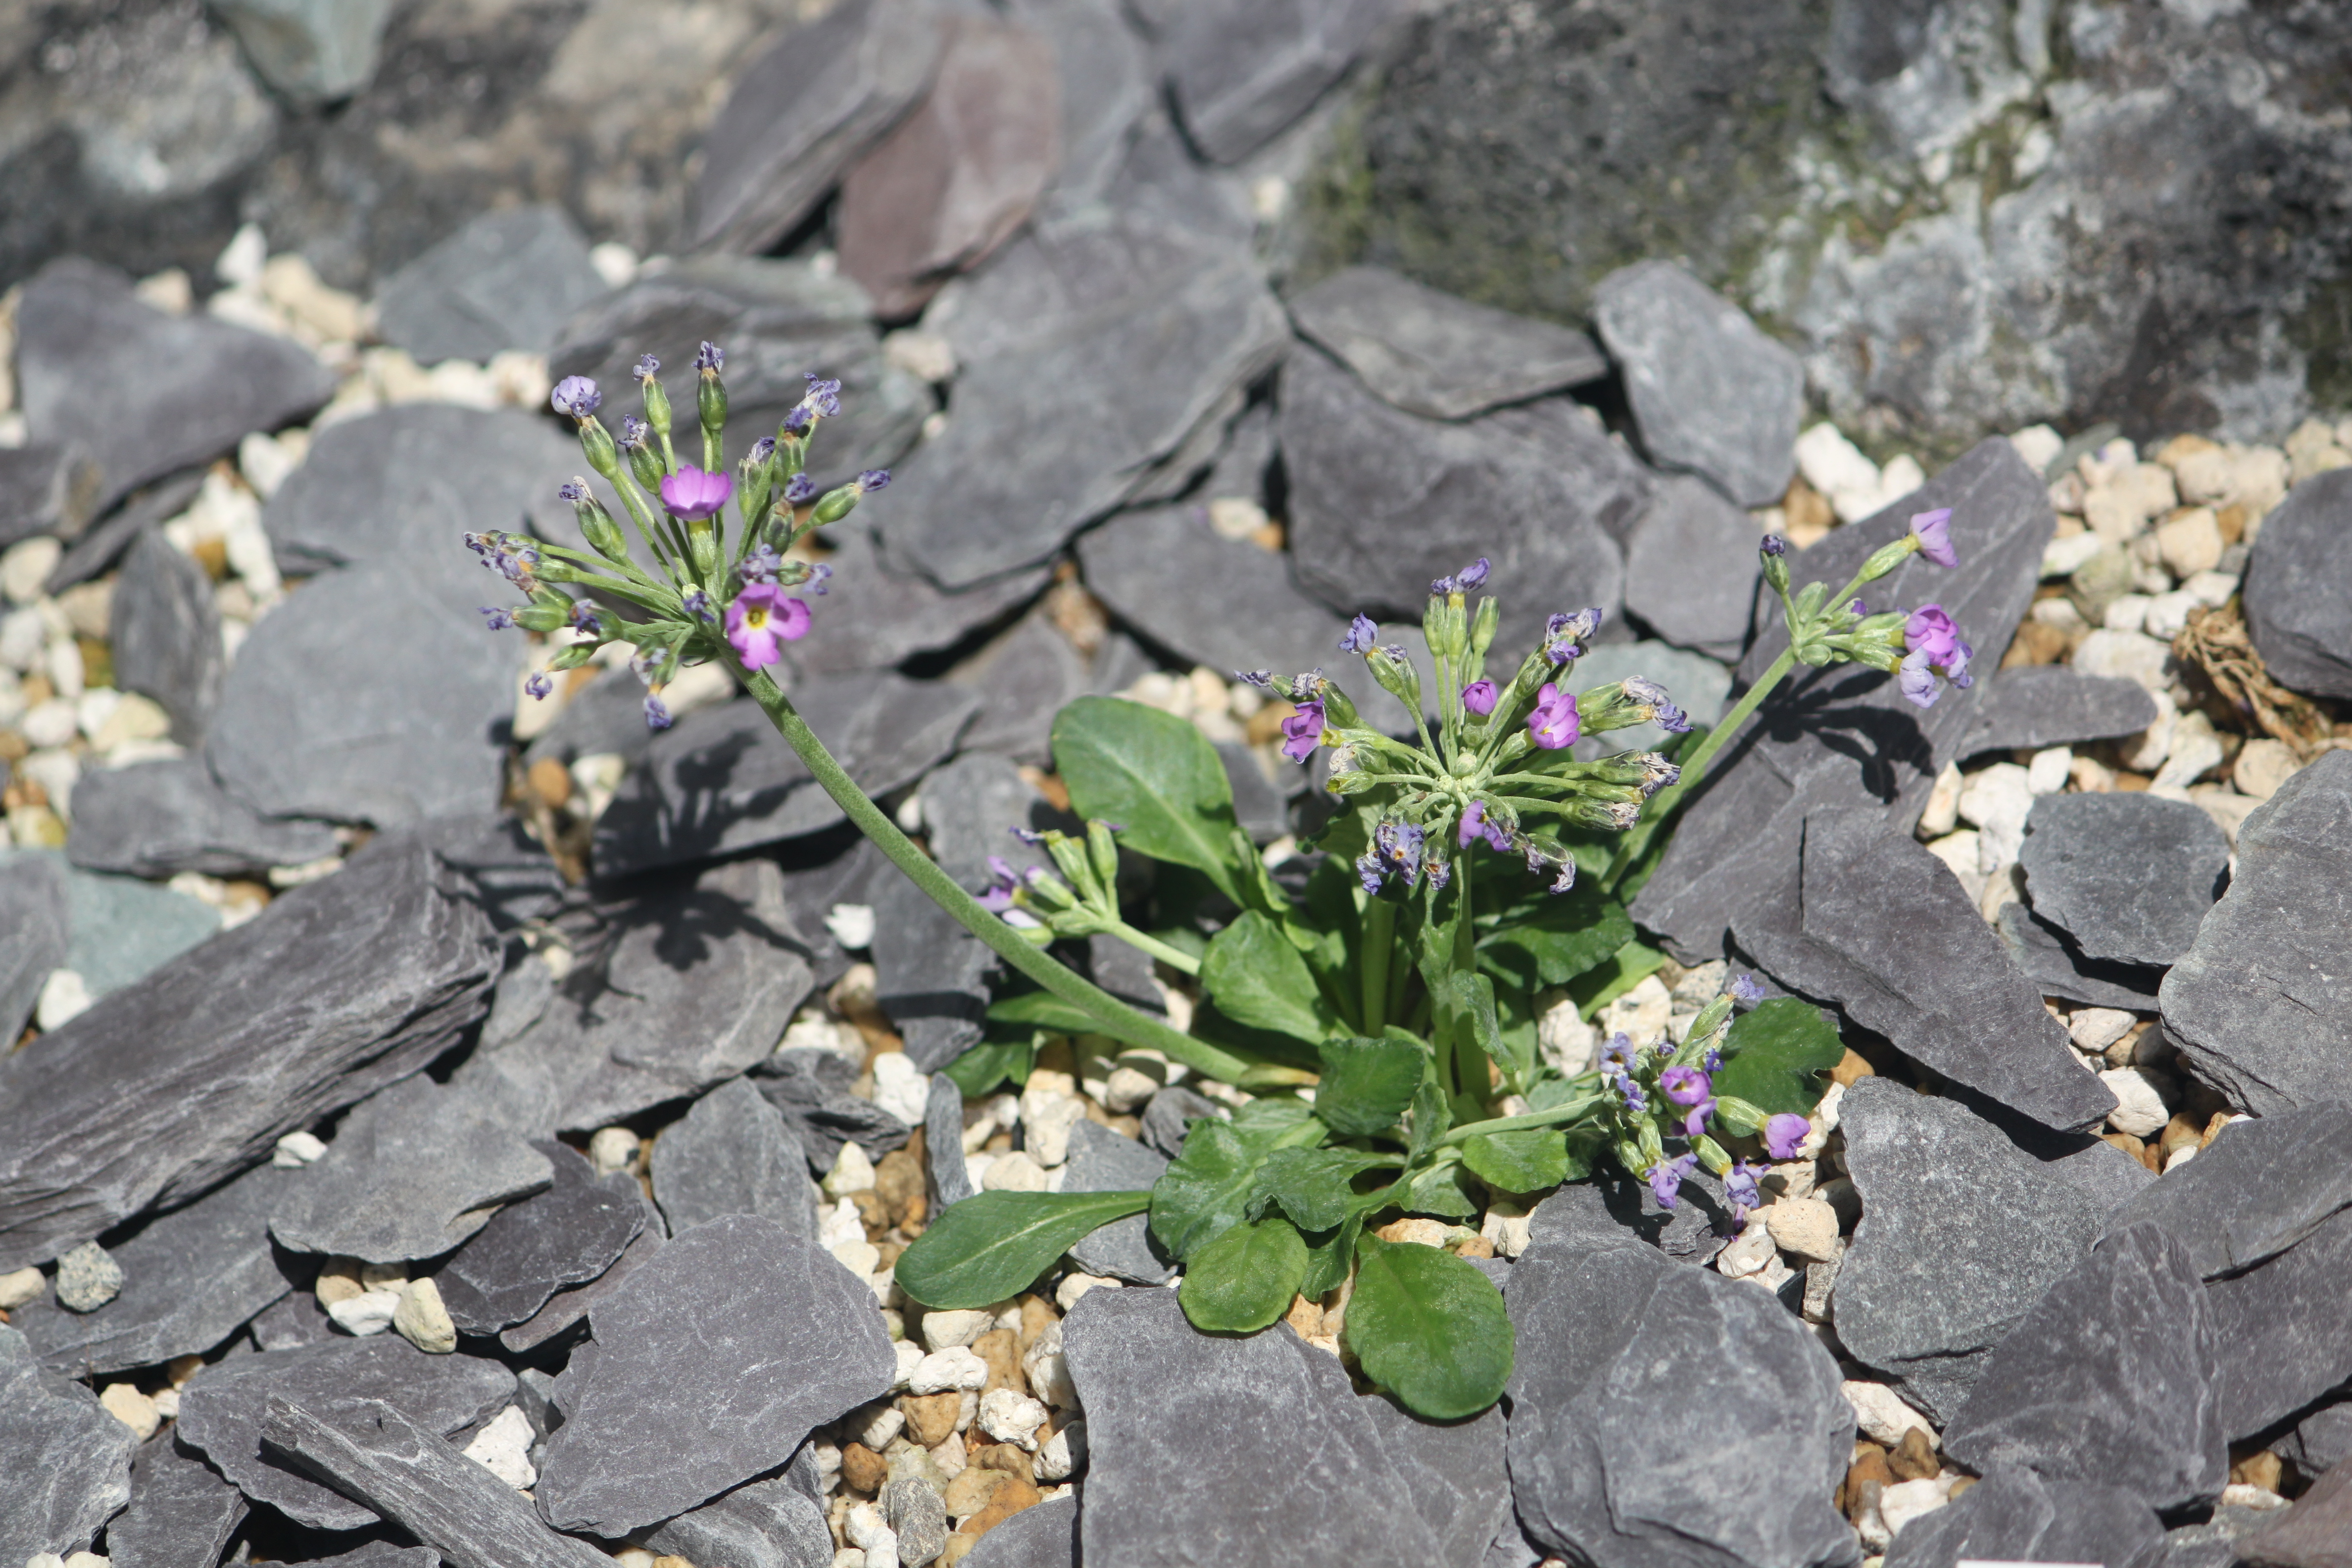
point(222, 1411)
point(506, 281)
point(875, 615)
point(105, 541)
point(519, 1002)
point(190, 1279)
point(335, 990)
point(315, 720)
point(2034, 706)
point(568, 1235)
point(1261, 805)
point(1046, 333)
point(2055, 967)
point(167, 635)
point(2256, 1190)
point(1612, 1208)
point(66, 1457)
point(1887, 934)
point(1844, 735)
point(2261, 1005)
point(2297, 591)
point(911, 1507)
point(723, 780)
point(821, 94)
point(1690, 569)
point(778, 321)
point(715, 1361)
point(508, 873)
point(1183, 1428)
point(371, 1448)
point(2285, 1329)
point(2013, 1516)
point(779, 1522)
point(734, 1153)
point(1434, 354)
point(2213, 1543)
point(297, 1319)
point(2128, 876)
point(1102, 1161)
point(2311, 1534)
point(2109, 1380)
point(1107, 85)
point(1453, 1473)
point(1210, 600)
point(1240, 72)
point(1711, 393)
point(1170, 1114)
point(1246, 465)
point(181, 1512)
point(174, 390)
point(310, 53)
point(123, 929)
point(413, 1171)
point(2320, 1441)
point(811, 1087)
point(384, 1554)
point(1614, 1447)
point(1022, 678)
point(931, 974)
point(1962, 1229)
point(1700, 686)
point(970, 808)
point(570, 1306)
point(948, 1179)
point(697, 983)
point(160, 818)
point(1383, 502)
point(34, 918)
point(1043, 1536)
point(47, 488)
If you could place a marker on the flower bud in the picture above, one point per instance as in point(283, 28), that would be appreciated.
point(1395, 672)
point(656, 406)
point(1776, 568)
point(1886, 558)
point(1336, 709)
point(646, 464)
point(596, 524)
point(1740, 1115)
point(835, 505)
point(710, 403)
point(596, 446)
point(1102, 849)
point(1481, 627)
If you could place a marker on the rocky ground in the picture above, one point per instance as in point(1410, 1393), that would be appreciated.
point(442, 1123)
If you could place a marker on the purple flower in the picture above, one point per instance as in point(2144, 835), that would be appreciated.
point(538, 685)
point(1744, 990)
point(1554, 724)
point(761, 565)
point(1398, 846)
point(585, 618)
point(648, 367)
point(1360, 635)
point(1475, 825)
point(633, 431)
point(710, 357)
point(1474, 576)
point(1934, 529)
point(1739, 1186)
point(1261, 678)
point(1002, 883)
point(656, 712)
point(1440, 873)
point(872, 479)
point(575, 395)
point(797, 420)
point(1663, 712)
point(692, 495)
point(1785, 1134)
point(1931, 631)
point(1617, 1054)
point(1857, 609)
point(1303, 731)
point(816, 578)
point(1774, 545)
point(800, 489)
point(762, 450)
point(500, 618)
point(1916, 682)
point(573, 491)
point(1461, 582)
point(1695, 1122)
point(1564, 633)
point(1666, 1178)
point(1683, 1085)
point(1368, 871)
point(761, 617)
point(1479, 697)
point(823, 398)
point(1713, 1060)
point(697, 605)
point(1637, 1103)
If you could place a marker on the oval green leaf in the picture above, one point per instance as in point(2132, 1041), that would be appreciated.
point(1156, 776)
point(1245, 1279)
point(992, 1246)
point(1367, 1084)
point(1429, 1328)
point(1773, 1054)
point(1256, 977)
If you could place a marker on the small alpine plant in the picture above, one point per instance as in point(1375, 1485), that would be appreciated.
point(1378, 1001)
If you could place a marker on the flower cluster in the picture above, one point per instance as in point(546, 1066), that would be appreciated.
point(1922, 648)
point(703, 599)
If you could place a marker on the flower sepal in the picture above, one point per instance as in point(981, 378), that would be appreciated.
point(1740, 1115)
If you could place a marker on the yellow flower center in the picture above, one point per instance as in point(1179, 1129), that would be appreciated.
point(755, 618)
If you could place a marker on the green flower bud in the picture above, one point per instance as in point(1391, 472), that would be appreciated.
point(1336, 709)
point(646, 464)
point(604, 535)
point(596, 446)
point(1102, 846)
point(572, 658)
point(1710, 1154)
point(657, 406)
point(833, 505)
point(1887, 557)
point(710, 405)
point(1395, 672)
point(1482, 628)
point(1740, 1115)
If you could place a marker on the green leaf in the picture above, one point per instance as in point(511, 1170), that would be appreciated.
point(1439, 1193)
point(1429, 1328)
point(1158, 777)
point(1552, 943)
point(1256, 977)
point(992, 1062)
point(1431, 1119)
point(1313, 1186)
point(1773, 1054)
point(1627, 967)
point(1474, 996)
point(992, 1246)
point(1327, 1256)
point(1206, 1190)
point(1525, 1161)
point(1367, 1084)
point(1245, 1279)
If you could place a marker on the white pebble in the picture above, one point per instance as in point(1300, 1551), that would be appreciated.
point(422, 1321)
point(954, 1368)
point(503, 1448)
point(296, 1150)
point(65, 996)
point(26, 565)
point(1013, 1173)
point(2139, 1109)
point(1063, 1454)
point(2093, 1029)
point(1747, 1255)
point(133, 1408)
point(861, 1256)
point(943, 1330)
point(613, 1149)
point(888, 1422)
point(1011, 1417)
point(369, 1313)
point(852, 1172)
point(2048, 772)
point(1641, 1013)
point(53, 723)
point(1504, 1231)
point(1903, 1501)
point(910, 1356)
point(1806, 1227)
point(839, 1224)
point(1074, 1285)
point(1047, 1120)
point(22, 1286)
point(900, 1088)
point(1881, 1415)
point(852, 926)
point(1995, 802)
point(1564, 1038)
point(1048, 1374)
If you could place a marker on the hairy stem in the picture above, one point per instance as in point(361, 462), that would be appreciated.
point(1377, 947)
point(1558, 1116)
point(1694, 769)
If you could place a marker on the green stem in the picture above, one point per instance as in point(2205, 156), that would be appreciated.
point(1558, 1116)
point(1694, 768)
point(1117, 1019)
point(1377, 946)
point(1175, 958)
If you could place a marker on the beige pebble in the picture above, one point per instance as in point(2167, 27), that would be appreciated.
point(422, 1321)
point(2189, 541)
point(22, 1286)
point(2262, 765)
point(1806, 1227)
point(2093, 1029)
point(133, 1408)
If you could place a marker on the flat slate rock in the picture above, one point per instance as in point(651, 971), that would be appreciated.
point(105, 541)
point(47, 488)
point(123, 929)
point(1102, 1161)
point(1170, 1114)
point(2129, 876)
point(1022, 678)
point(1615, 1450)
point(316, 721)
point(224, 1409)
point(568, 1235)
point(2034, 706)
point(1845, 735)
point(1885, 933)
point(2016, 1516)
point(696, 982)
point(1711, 393)
point(931, 975)
point(1210, 600)
point(569, 1307)
point(505, 873)
point(415, 1170)
point(2260, 1187)
point(811, 1087)
point(734, 1153)
point(1434, 355)
point(820, 95)
point(2286, 1330)
point(972, 806)
point(946, 1178)
point(295, 1320)
point(336, 989)
point(372, 1449)
point(1240, 71)
point(2298, 590)
point(1612, 1207)
point(723, 780)
point(34, 918)
point(146, 392)
point(2048, 958)
point(506, 281)
point(1453, 1473)
point(2311, 1534)
point(1383, 502)
point(2110, 1379)
point(182, 1511)
point(166, 636)
point(778, 1523)
point(158, 819)
point(1691, 568)
point(2320, 1441)
point(1183, 1428)
point(714, 1362)
point(1107, 85)
point(2213, 1543)
point(2261, 1005)
point(1045, 1535)
point(1962, 1230)
point(190, 1279)
point(875, 615)
point(67, 1459)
